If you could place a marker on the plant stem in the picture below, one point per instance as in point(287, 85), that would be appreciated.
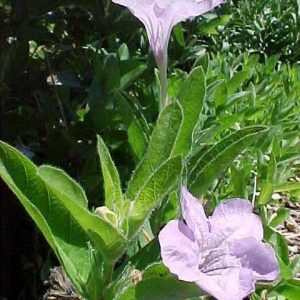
point(163, 86)
point(162, 62)
point(108, 271)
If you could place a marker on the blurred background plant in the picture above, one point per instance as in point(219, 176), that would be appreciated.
point(72, 69)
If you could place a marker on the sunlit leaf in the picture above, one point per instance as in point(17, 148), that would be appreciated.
point(191, 98)
point(151, 193)
point(160, 147)
point(217, 158)
point(112, 184)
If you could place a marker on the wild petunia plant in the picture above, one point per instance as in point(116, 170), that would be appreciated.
point(100, 248)
point(159, 17)
point(224, 253)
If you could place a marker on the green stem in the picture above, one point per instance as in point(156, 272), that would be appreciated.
point(163, 86)
point(108, 272)
point(162, 62)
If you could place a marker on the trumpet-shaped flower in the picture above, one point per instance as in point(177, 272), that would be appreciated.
point(159, 17)
point(223, 254)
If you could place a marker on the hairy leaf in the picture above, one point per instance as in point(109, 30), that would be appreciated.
point(152, 192)
point(112, 184)
point(217, 158)
point(191, 98)
point(160, 147)
point(61, 229)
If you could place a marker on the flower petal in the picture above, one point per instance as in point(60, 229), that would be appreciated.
point(181, 10)
point(158, 28)
point(258, 257)
point(231, 284)
point(179, 251)
point(194, 215)
point(234, 220)
point(160, 16)
point(217, 261)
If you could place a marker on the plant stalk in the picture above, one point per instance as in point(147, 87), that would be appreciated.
point(162, 62)
point(108, 272)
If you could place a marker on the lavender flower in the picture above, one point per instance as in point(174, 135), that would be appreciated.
point(223, 254)
point(159, 17)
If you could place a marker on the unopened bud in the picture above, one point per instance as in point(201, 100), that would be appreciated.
point(107, 214)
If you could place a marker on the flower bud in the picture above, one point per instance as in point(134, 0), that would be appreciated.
point(105, 213)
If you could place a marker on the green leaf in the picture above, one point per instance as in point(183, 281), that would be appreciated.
point(62, 231)
point(290, 289)
point(295, 195)
point(219, 94)
point(281, 247)
point(191, 98)
point(112, 71)
point(140, 261)
point(267, 189)
point(212, 24)
point(164, 288)
point(171, 211)
point(112, 184)
point(238, 182)
point(123, 52)
point(204, 62)
point(266, 192)
point(295, 265)
point(160, 147)
point(131, 69)
point(137, 127)
point(156, 269)
point(236, 81)
point(64, 183)
point(149, 197)
point(106, 237)
point(282, 214)
point(287, 187)
point(218, 157)
point(285, 271)
point(272, 169)
point(178, 34)
point(203, 137)
point(37, 188)
point(175, 83)
point(146, 255)
point(156, 283)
